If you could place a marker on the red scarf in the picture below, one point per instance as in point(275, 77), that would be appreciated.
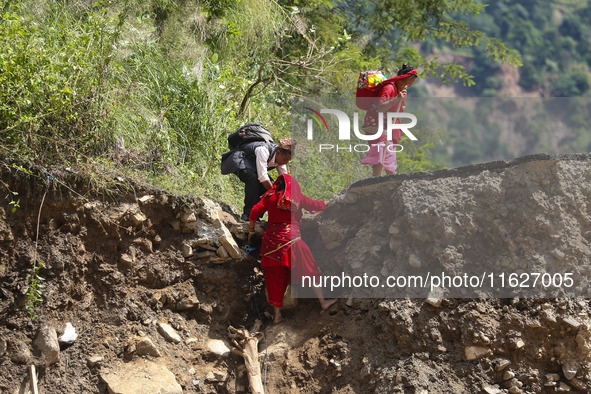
point(279, 237)
point(374, 92)
point(291, 195)
point(397, 78)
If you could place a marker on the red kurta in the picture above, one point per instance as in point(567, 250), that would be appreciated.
point(382, 151)
point(387, 93)
point(283, 251)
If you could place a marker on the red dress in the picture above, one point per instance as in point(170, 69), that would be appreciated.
point(284, 254)
point(382, 151)
point(387, 93)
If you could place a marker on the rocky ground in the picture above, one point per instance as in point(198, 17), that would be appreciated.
point(150, 283)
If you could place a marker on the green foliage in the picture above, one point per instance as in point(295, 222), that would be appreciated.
point(14, 204)
point(52, 75)
point(530, 76)
point(550, 44)
point(11, 195)
point(393, 25)
point(418, 156)
point(572, 83)
point(152, 89)
point(473, 128)
point(34, 294)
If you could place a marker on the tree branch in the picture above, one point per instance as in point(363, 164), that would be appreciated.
point(247, 346)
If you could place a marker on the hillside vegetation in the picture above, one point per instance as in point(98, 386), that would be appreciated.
point(553, 37)
point(114, 90)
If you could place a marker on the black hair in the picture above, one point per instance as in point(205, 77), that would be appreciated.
point(405, 69)
point(280, 184)
point(287, 151)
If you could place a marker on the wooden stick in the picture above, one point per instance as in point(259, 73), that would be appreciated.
point(247, 346)
point(33, 379)
point(383, 159)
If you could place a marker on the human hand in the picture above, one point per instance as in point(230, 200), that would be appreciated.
point(251, 231)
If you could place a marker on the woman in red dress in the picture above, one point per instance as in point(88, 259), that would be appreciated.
point(391, 98)
point(283, 250)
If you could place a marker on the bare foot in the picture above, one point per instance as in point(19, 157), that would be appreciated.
point(277, 319)
point(328, 303)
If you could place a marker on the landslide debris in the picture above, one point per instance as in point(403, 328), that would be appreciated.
point(150, 283)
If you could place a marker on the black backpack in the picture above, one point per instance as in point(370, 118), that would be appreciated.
point(233, 161)
point(250, 132)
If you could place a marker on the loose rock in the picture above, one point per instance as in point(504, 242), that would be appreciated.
point(169, 333)
point(474, 352)
point(141, 376)
point(186, 250)
point(569, 371)
point(69, 335)
point(94, 361)
point(145, 347)
point(502, 364)
point(46, 345)
point(218, 347)
point(571, 322)
point(216, 376)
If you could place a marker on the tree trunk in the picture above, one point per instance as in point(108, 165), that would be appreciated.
point(247, 346)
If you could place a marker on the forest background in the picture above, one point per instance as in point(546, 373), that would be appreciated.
point(120, 91)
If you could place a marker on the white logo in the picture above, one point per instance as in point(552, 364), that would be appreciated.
point(391, 118)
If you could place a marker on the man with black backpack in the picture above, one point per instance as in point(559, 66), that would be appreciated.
point(253, 153)
point(258, 159)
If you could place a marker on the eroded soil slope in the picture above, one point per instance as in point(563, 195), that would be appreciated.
point(150, 282)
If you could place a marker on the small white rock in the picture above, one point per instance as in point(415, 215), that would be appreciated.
point(69, 335)
point(188, 217)
point(218, 347)
point(414, 261)
point(146, 198)
point(169, 333)
point(474, 352)
point(95, 360)
point(508, 375)
point(436, 302)
point(502, 364)
point(569, 371)
point(492, 389)
point(186, 250)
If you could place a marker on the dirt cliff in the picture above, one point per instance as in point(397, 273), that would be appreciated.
point(150, 283)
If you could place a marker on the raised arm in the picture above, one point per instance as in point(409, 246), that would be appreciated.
point(312, 205)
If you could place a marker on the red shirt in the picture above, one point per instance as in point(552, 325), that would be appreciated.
point(387, 93)
point(283, 226)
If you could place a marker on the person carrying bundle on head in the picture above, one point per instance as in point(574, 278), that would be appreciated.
point(390, 96)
